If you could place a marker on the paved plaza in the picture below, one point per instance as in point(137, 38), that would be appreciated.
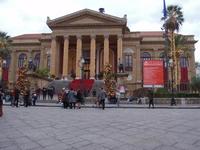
point(53, 128)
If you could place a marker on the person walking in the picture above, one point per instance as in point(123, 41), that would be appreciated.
point(16, 101)
point(151, 101)
point(44, 93)
point(79, 97)
point(101, 97)
point(34, 98)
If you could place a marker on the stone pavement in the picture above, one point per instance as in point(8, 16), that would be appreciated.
point(55, 128)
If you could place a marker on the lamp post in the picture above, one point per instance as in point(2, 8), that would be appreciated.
point(4, 67)
point(171, 64)
point(82, 61)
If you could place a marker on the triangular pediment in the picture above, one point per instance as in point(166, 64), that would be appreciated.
point(86, 17)
point(86, 20)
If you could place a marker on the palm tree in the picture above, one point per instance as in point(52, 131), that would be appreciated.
point(171, 24)
point(4, 42)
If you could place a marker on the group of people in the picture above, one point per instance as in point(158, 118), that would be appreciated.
point(74, 99)
point(71, 98)
point(47, 93)
point(28, 98)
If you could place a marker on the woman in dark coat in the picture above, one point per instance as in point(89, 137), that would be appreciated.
point(79, 97)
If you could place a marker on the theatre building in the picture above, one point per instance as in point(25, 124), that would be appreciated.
point(81, 43)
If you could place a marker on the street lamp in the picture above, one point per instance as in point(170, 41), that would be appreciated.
point(3, 69)
point(171, 64)
point(82, 61)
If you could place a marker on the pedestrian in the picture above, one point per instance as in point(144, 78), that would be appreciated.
point(65, 98)
point(151, 100)
point(79, 97)
point(101, 97)
point(44, 93)
point(16, 101)
point(26, 98)
point(50, 92)
point(34, 98)
point(72, 99)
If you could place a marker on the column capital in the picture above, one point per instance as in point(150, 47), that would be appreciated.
point(78, 36)
point(53, 37)
point(106, 35)
point(66, 36)
point(119, 36)
point(93, 36)
point(30, 50)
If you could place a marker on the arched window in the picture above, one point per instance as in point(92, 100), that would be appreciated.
point(146, 56)
point(21, 60)
point(36, 60)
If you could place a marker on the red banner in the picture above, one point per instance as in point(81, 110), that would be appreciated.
point(5, 74)
point(153, 73)
point(184, 75)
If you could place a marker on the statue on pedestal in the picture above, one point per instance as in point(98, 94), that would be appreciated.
point(121, 68)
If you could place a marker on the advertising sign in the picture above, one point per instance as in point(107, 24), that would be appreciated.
point(153, 73)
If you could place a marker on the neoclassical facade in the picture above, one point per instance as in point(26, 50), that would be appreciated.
point(97, 38)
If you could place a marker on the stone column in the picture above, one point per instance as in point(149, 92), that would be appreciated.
point(119, 50)
point(191, 67)
point(92, 56)
point(78, 56)
point(42, 57)
point(13, 67)
point(138, 68)
point(65, 57)
point(106, 50)
point(53, 56)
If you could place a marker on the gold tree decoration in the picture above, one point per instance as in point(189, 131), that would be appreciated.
point(22, 83)
point(110, 82)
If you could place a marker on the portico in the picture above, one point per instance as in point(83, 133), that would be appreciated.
point(89, 35)
point(67, 51)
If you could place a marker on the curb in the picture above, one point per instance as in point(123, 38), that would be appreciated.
point(122, 107)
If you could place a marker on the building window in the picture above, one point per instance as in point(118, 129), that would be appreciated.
point(21, 60)
point(128, 62)
point(161, 56)
point(183, 62)
point(37, 60)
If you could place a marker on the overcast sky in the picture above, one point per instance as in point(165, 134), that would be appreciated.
point(29, 16)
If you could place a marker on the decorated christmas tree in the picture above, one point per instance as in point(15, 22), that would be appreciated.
point(110, 82)
point(22, 83)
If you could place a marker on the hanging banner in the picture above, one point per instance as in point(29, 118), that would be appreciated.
point(153, 73)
